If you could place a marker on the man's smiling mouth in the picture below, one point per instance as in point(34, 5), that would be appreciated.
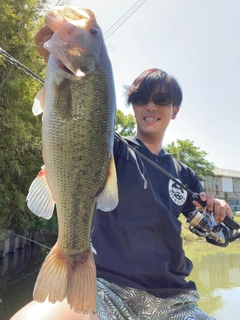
point(151, 119)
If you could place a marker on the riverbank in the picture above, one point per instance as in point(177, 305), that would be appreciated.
point(10, 241)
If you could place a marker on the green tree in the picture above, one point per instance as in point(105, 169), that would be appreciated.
point(125, 124)
point(186, 152)
point(20, 131)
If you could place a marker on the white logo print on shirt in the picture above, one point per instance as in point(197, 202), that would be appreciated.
point(177, 193)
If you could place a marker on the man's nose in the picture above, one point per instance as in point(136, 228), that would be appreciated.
point(151, 106)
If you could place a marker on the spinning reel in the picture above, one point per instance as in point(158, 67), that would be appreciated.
point(203, 224)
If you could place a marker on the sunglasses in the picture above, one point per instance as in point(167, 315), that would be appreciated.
point(158, 98)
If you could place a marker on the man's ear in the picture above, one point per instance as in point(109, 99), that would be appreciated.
point(175, 112)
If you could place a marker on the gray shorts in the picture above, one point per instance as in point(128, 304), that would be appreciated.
point(123, 303)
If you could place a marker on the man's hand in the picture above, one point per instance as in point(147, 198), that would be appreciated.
point(43, 35)
point(219, 207)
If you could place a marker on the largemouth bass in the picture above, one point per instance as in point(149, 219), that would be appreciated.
point(78, 104)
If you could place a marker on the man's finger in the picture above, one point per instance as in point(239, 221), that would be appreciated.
point(43, 52)
point(44, 32)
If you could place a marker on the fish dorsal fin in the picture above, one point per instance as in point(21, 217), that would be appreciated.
point(108, 199)
point(39, 199)
point(39, 102)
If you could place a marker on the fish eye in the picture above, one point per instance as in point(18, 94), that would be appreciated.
point(93, 31)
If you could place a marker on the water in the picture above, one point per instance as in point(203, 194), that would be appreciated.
point(216, 273)
point(18, 273)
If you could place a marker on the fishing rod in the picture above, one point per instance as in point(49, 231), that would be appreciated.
point(18, 235)
point(5, 55)
point(201, 223)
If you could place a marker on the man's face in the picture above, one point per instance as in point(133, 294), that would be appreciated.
point(152, 120)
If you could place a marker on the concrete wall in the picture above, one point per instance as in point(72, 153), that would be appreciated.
point(11, 242)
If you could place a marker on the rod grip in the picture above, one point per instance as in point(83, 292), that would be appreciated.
point(231, 223)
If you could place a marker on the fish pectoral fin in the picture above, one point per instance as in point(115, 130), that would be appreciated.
point(39, 199)
point(39, 102)
point(108, 199)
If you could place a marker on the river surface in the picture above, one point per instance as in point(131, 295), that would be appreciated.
point(216, 273)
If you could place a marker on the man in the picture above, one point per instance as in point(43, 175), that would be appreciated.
point(141, 266)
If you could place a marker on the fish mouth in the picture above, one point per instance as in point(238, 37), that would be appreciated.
point(68, 62)
point(64, 68)
point(78, 72)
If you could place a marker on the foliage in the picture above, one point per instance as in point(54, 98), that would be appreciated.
point(192, 156)
point(20, 131)
point(125, 124)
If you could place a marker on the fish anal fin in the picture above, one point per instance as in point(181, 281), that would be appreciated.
point(108, 199)
point(39, 199)
point(39, 102)
point(73, 279)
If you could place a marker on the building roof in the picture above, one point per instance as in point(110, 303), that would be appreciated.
point(226, 173)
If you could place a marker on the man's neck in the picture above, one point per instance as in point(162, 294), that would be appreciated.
point(153, 144)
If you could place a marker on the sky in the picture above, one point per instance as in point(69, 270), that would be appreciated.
point(196, 41)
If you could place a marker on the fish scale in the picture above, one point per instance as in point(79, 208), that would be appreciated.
point(75, 135)
point(79, 172)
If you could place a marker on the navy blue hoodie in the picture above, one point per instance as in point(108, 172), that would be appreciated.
point(138, 244)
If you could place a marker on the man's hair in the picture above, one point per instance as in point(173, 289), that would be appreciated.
point(147, 81)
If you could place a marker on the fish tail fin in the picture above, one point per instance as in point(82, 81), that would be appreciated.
point(52, 279)
point(81, 294)
point(61, 278)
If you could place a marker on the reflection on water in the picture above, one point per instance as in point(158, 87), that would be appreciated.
point(217, 276)
point(216, 273)
point(18, 273)
point(230, 304)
